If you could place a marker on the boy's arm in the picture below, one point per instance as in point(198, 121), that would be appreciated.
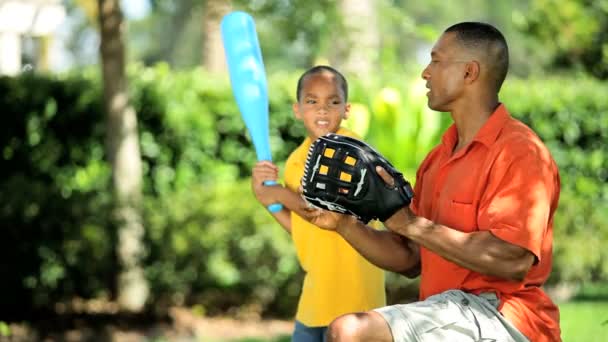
point(266, 195)
point(290, 200)
point(283, 217)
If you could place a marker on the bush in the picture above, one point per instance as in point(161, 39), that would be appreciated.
point(571, 116)
point(54, 192)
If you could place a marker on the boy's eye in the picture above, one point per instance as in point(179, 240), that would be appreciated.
point(309, 101)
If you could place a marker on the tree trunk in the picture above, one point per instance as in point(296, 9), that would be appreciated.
point(123, 152)
point(357, 54)
point(175, 28)
point(213, 49)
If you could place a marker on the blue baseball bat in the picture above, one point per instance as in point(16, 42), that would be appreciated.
point(248, 80)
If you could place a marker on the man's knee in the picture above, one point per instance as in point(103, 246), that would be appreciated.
point(349, 327)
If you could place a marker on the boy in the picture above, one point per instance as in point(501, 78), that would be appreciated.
point(338, 280)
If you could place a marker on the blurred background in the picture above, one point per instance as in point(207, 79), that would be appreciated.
point(125, 205)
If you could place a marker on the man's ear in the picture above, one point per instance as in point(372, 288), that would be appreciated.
point(296, 110)
point(346, 111)
point(471, 72)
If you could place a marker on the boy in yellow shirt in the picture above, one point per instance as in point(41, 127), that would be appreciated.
point(338, 280)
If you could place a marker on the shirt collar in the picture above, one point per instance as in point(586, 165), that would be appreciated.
point(488, 133)
point(307, 141)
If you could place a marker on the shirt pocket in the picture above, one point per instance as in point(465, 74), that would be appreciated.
point(462, 215)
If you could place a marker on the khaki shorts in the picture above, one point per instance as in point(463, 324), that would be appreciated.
point(450, 316)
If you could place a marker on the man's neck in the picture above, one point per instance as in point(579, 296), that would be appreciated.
point(469, 120)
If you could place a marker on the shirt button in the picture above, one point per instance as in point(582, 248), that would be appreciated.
point(465, 301)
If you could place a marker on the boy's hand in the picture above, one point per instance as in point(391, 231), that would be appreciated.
point(264, 171)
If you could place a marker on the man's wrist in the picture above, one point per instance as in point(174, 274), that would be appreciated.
point(404, 224)
point(346, 225)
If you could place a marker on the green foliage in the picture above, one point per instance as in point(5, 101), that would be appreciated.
point(53, 186)
point(5, 330)
point(208, 241)
point(400, 117)
point(571, 116)
point(206, 234)
point(568, 34)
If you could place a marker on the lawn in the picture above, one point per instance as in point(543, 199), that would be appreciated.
point(584, 321)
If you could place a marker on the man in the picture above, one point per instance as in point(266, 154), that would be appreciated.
point(479, 230)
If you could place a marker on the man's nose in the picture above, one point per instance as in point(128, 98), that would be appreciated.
point(425, 73)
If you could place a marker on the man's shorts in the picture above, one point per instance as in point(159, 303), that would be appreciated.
point(450, 316)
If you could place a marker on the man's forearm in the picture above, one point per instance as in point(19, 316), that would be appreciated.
point(382, 248)
point(479, 251)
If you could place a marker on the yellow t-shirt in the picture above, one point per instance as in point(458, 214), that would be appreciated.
point(338, 279)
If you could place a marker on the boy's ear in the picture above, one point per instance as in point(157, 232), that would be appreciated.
point(346, 111)
point(296, 110)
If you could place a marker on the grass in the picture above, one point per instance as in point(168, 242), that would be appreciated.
point(585, 321)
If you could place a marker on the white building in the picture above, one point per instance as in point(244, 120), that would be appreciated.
point(20, 22)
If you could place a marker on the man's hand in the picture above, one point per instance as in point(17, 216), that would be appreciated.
point(328, 219)
point(264, 171)
point(324, 219)
point(402, 217)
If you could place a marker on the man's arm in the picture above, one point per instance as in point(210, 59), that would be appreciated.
point(479, 251)
point(382, 248)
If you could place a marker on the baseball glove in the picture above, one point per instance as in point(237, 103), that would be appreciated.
point(340, 175)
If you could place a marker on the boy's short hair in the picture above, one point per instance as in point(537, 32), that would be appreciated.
point(487, 39)
point(318, 69)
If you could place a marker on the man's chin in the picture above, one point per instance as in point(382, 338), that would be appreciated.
point(436, 107)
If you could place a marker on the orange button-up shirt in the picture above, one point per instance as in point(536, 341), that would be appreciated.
point(505, 182)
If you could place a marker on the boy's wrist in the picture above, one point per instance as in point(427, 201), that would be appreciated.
point(273, 194)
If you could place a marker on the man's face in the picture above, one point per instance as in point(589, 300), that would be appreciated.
point(445, 73)
point(321, 107)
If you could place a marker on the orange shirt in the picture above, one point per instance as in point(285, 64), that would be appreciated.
point(506, 182)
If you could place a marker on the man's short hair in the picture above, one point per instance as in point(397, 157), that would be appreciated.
point(318, 69)
point(488, 40)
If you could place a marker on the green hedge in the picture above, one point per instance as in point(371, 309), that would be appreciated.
point(208, 242)
point(571, 115)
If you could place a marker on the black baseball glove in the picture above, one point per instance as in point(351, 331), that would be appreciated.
point(340, 175)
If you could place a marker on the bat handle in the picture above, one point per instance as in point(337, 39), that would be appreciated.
point(274, 207)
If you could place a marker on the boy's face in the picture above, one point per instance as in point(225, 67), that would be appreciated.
point(321, 107)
